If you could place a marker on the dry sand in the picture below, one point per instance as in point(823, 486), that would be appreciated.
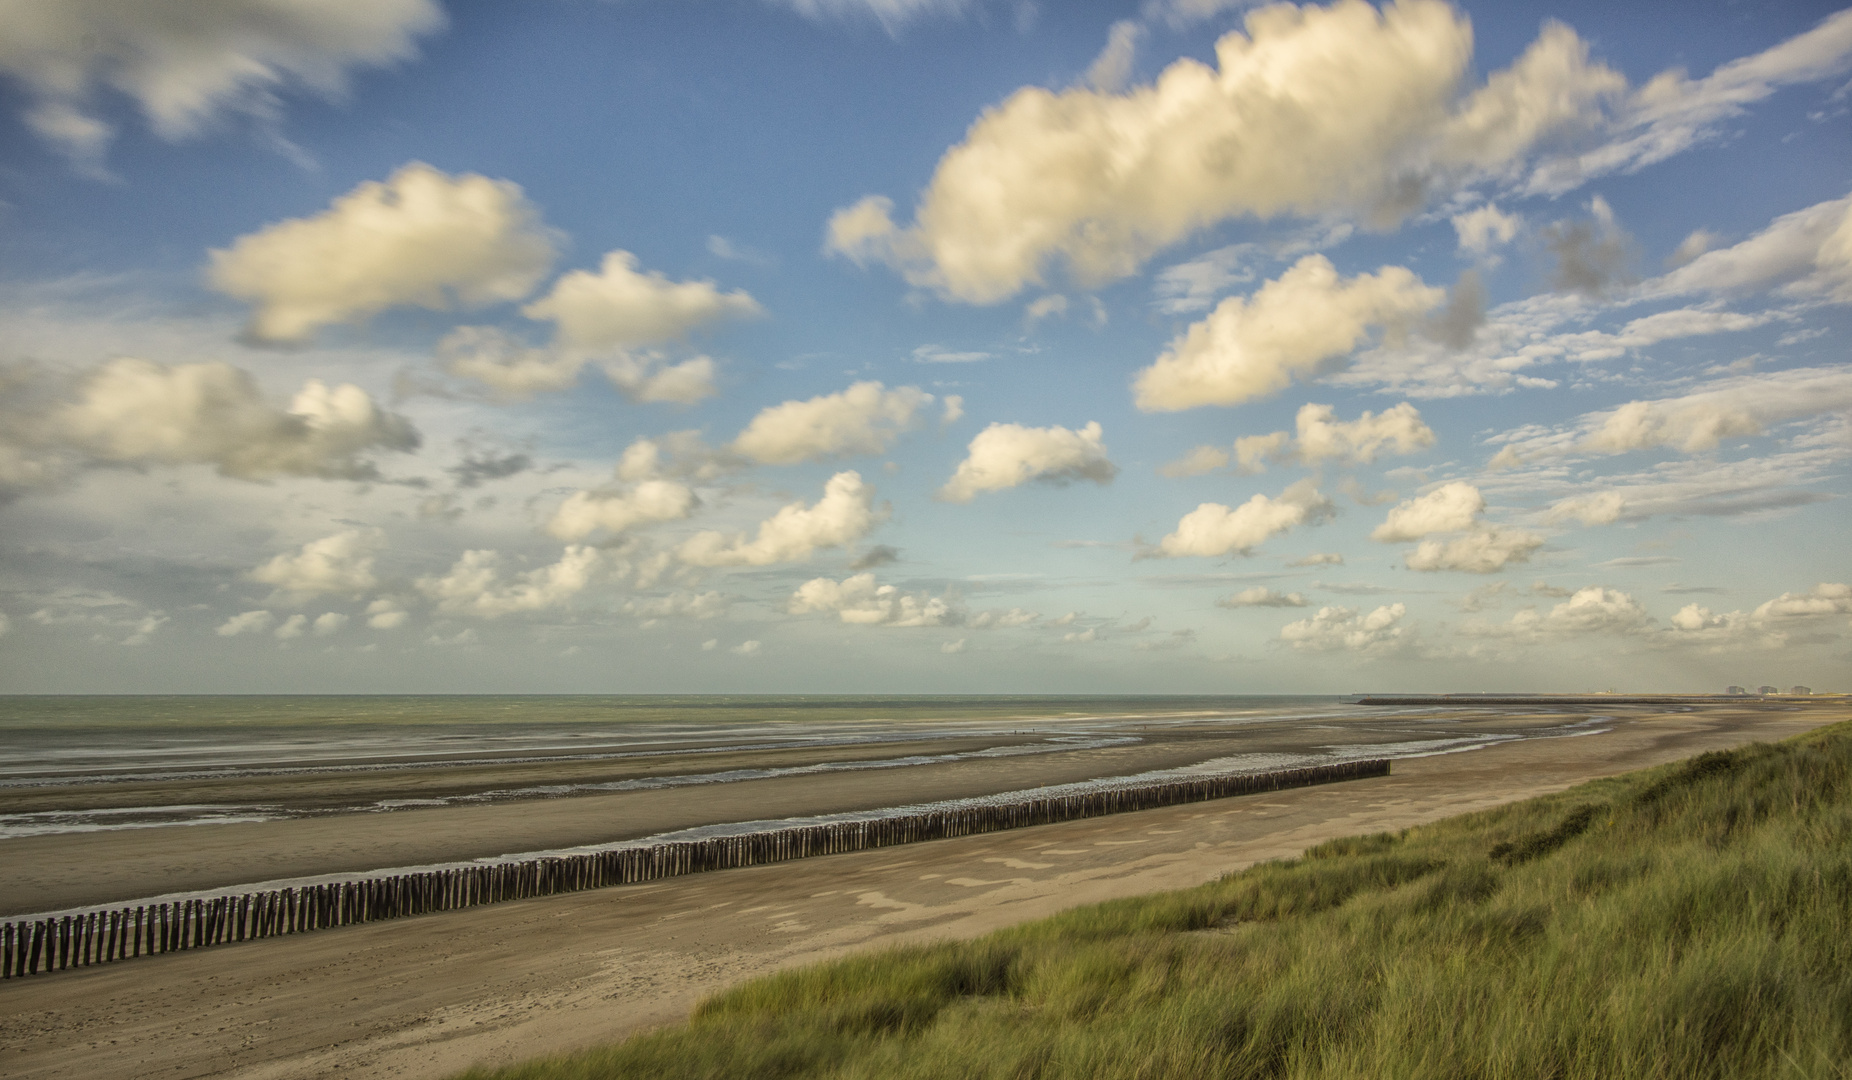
point(427, 997)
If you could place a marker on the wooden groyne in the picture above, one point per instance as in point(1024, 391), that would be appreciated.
point(102, 937)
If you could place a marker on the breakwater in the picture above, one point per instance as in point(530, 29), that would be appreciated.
point(1580, 701)
point(110, 936)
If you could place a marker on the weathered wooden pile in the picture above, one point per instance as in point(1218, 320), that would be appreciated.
point(100, 937)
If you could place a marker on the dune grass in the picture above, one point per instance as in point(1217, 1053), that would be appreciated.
point(1689, 921)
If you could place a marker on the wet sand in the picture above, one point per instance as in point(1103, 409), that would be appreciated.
point(427, 997)
point(55, 872)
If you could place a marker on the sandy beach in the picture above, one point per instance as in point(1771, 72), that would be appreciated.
point(427, 997)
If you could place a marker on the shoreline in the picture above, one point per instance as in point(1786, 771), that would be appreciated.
point(55, 872)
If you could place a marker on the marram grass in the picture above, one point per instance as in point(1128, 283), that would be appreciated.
point(1689, 921)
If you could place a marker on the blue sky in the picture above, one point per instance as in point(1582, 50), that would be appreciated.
point(923, 346)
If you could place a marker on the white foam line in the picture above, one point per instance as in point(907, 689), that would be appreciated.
point(74, 824)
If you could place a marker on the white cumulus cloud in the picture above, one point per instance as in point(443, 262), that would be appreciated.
point(1448, 508)
point(1007, 455)
point(1213, 529)
point(475, 586)
point(860, 601)
point(1344, 110)
point(1003, 620)
point(621, 306)
point(421, 238)
point(1251, 347)
point(649, 377)
point(1454, 508)
point(844, 514)
point(1312, 111)
point(645, 503)
point(508, 366)
point(1593, 609)
point(1342, 629)
point(1399, 429)
point(864, 419)
point(134, 412)
point(1826, 598)
point(1484, 229)
point(1320, 439)
point(1485, 550)
point(677, 454)
point(386, 614)
point(339, 565)
point(1767, 626)
point(610, 318)
point(249, 622)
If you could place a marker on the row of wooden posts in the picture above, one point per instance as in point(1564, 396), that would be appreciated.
point(101, 937)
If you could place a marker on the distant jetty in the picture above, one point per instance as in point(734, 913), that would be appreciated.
point(1563, 699)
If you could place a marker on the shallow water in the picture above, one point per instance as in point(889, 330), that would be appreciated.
point(47, 738)
point(98, 744)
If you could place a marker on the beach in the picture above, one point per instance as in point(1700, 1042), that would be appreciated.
point(425, 997)
point(214, 809)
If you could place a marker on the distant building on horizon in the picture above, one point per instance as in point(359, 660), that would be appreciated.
point(1735, 691)
point(1767, 690)
point(1800, 691)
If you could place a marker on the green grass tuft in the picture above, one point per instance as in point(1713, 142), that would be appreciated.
point(1691, 921)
